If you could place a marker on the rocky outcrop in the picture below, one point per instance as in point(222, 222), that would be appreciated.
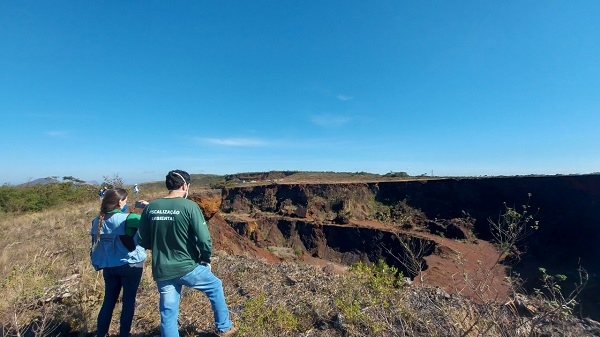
point(345, 223)
point(223, 236)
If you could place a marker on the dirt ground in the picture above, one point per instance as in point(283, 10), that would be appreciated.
point(469, 268)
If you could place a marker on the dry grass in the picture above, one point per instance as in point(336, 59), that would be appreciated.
point(42, 262)
point(49, 288)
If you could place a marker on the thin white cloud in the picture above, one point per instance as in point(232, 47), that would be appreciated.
point(56, 134)
point(327, 120)
point(235, 141)
point(344, 98)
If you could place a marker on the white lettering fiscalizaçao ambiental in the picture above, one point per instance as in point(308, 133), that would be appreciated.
point(159, 218)
point(164, 211)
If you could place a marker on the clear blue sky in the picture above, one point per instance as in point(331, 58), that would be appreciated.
point(137, 88)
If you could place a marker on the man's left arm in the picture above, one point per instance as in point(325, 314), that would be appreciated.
point(144, 239)
point(203, 241)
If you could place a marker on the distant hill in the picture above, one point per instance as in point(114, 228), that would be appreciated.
point(41, 181)
point(53, 180)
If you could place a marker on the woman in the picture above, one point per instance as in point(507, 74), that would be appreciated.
point(116, 252)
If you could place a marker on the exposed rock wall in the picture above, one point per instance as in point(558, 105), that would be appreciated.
point(569, 212)
point(569, 206)
point(569, 216)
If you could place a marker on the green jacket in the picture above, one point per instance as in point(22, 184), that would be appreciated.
point(175, 230)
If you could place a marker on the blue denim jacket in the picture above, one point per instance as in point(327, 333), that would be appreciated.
point(110, 251)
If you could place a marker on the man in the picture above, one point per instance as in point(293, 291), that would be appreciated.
point(101, 192)
point(175, 230)
point(136, 190)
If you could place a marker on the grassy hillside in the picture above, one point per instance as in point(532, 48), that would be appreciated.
point(49, 288)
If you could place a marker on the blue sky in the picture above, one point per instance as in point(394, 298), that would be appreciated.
point(458, 88)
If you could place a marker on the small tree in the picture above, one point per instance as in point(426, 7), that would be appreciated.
point(73, 179)
point(113, 182)
point(413, 252)
point(512, 227)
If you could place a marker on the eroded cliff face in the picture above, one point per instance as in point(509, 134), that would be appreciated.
point(334, 222)
point(345, 223)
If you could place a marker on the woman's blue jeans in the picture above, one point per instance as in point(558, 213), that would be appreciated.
point(128, 278)
point(201, 278)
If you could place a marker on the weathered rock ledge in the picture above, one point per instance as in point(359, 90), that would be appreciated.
point(339, 224)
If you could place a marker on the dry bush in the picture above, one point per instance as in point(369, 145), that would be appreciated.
point(414, 249)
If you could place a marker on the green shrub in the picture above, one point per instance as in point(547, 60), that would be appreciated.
point(34, 198)
point(258, 315)
point(368, 286)
point(401, 174)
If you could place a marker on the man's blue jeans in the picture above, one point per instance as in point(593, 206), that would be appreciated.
point(201, 278)
point(127, 277)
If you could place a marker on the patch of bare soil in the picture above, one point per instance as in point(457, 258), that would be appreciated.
point(466, 267)
point(227, 239)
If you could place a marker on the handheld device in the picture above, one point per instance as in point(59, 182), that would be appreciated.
point(139, 204)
